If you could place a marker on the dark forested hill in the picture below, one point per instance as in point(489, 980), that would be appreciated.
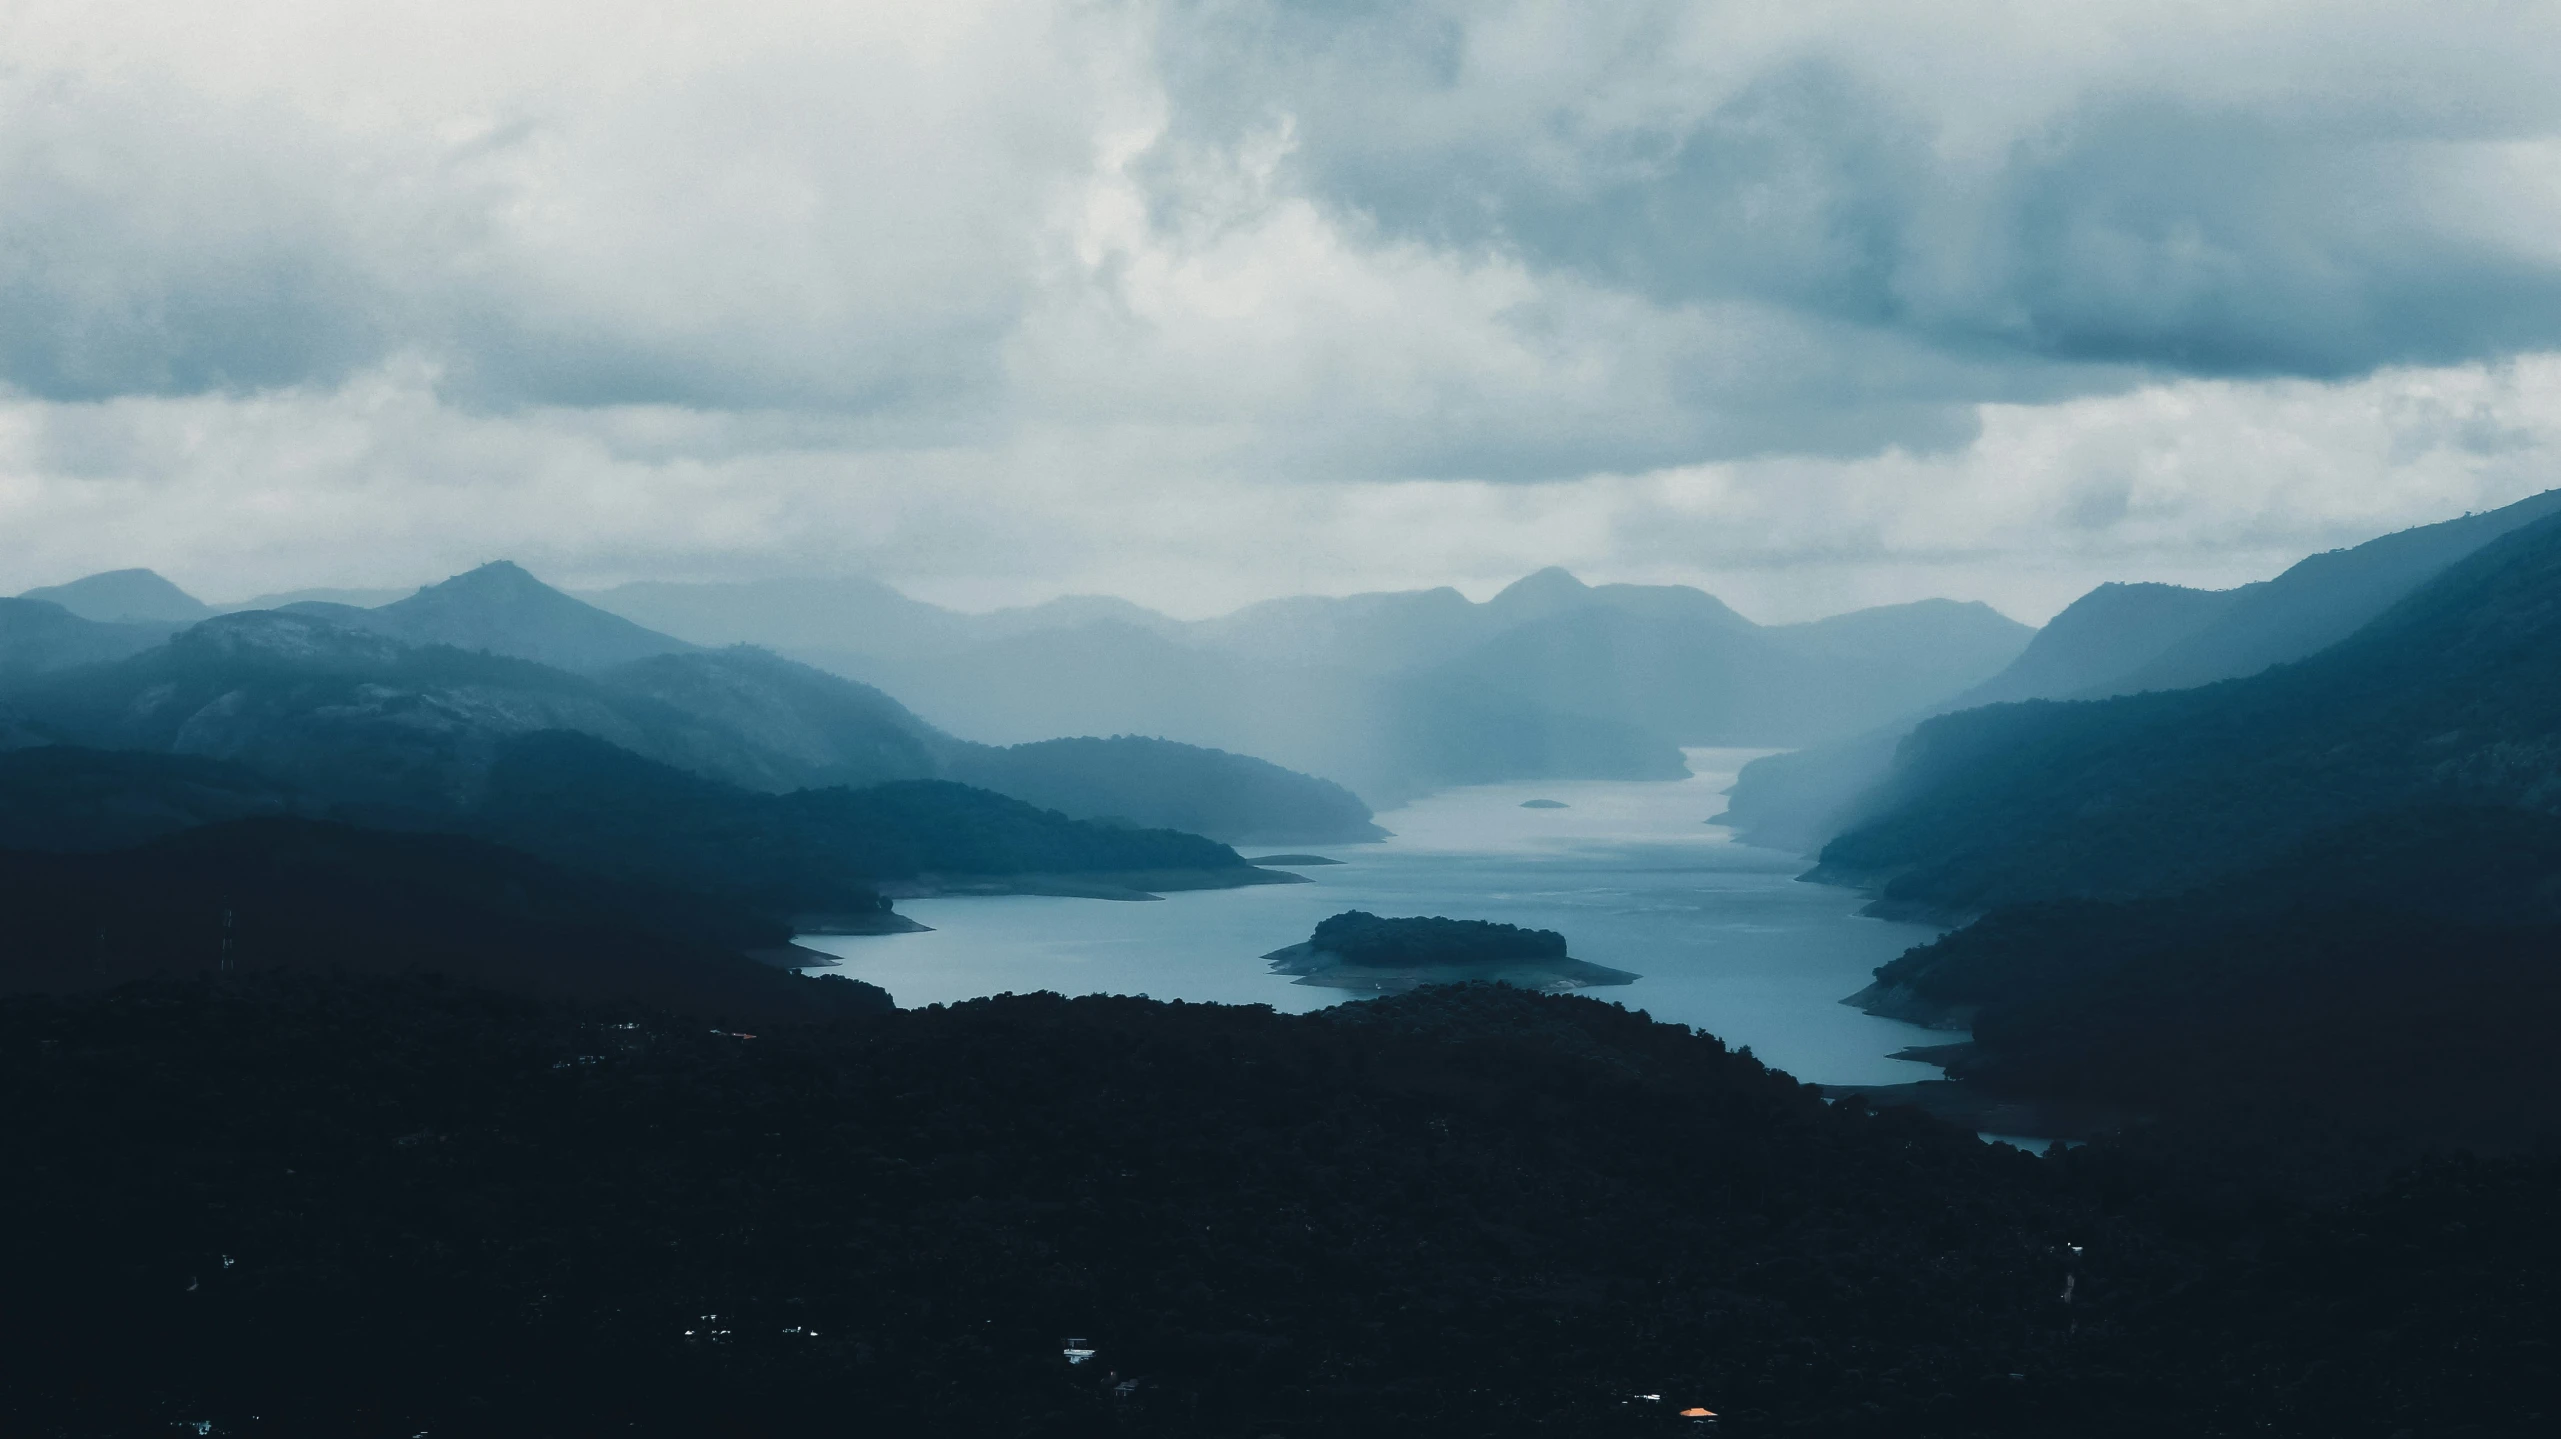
point(69, 800)
point(372, 1207)
point(2395, 977)
point(2453, 695)
point(265, 894)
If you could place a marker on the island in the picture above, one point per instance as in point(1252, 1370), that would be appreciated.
point(1545, 804)
point(1361, 951)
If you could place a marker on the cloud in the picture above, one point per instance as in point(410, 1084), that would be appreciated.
point(383, 481)
point(1212, 299)
point(2231, 190)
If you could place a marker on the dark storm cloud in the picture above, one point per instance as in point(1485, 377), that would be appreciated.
point(2322, 232)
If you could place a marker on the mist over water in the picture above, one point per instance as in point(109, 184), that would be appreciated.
point(1630, 872)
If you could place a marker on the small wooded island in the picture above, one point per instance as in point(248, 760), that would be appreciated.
point(1359, 950)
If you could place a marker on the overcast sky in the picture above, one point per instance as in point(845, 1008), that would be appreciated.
point(1815, 305)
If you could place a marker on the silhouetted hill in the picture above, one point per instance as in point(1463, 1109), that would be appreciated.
point(2394, 976)
point(1228, 797)
point(124, 597)
point(38, 636)
point(2452, 696)
point(360, 1206)
point(500, 609)
point(2124, 639)
point(438, 1207)
point(265, 894)
point(68, 799)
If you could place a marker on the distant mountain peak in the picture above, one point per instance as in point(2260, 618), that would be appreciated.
point(123, 595)
point(498, 577)
point(1553, 580)
point(501, 608)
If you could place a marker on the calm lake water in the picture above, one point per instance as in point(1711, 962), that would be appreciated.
point(1632, 875)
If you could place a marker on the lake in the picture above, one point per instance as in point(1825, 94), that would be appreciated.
point(1631, 873)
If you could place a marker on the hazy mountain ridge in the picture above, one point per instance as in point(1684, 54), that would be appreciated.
point(124, 597)
point(244, 896)
point(1560, 679)
point(2451, 696)
point(38, 636)
point(503, 610)
point(2126, 639)
point(1201, 791)
point(440, 677)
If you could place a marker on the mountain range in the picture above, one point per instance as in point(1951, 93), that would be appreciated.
point(2321, 897)
point(2452, 695)
point(1392, 694)
point(404, 705)
point(2126, 639)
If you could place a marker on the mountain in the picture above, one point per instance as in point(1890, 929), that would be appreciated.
point(124, 597)
point(809, 727)
point(501, 610)
point(352, 715)
point(1229, 797)
point(403, 706)
point(2452, 696)
point(802, 726)
point(2323, 600)
point(2125, 639)
point(848, 615)
point(1674, 662)
point(2102, 637)
point(818, 856)
point(1391, 695)
point(280, 893)
point(354, 598)
point(37, 636)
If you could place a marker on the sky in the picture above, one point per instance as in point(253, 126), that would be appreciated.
point(1813, 305)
